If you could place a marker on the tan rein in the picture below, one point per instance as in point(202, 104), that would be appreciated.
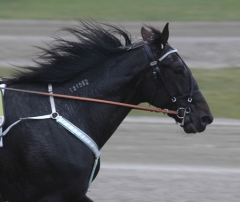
point(157, 110)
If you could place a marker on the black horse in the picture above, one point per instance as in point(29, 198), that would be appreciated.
point(41, 161)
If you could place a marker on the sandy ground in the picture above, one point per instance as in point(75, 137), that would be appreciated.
point(152, 159)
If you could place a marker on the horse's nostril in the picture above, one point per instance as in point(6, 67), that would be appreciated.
point(207, 120)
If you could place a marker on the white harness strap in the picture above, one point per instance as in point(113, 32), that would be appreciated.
point(16, 122)
point(50, 90)
point(166, 54)
point(70, 127)
point(20, 119)
point(77, 133)
point(85, 139)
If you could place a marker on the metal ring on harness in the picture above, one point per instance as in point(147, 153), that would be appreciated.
point(167, 110)
point(54, 115)
point(188, 110)
point(179, 109)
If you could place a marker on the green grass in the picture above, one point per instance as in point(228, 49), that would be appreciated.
point(220, 87)
point(147, 10)
point(5, 72)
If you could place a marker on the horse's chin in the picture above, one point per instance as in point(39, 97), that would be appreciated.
point(190, 128)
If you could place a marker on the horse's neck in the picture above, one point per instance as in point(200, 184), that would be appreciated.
point(117, 83)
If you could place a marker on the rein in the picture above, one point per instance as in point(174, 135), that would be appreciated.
point(157, 110)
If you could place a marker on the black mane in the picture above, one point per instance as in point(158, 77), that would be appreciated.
point(95, 43)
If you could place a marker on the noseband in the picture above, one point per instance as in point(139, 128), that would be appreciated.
point(182, 111)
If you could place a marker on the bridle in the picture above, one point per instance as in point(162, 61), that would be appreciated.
point(182, 111)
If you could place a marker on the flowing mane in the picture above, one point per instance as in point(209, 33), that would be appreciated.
point(95, 43)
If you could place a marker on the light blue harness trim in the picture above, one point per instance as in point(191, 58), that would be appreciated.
point(85, 139)
point(88, 141)
point(79, 134)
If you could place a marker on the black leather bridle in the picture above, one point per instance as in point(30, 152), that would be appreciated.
point(182, 111)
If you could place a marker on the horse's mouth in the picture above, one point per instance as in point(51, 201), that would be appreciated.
point(190, 128)
point(193, 124)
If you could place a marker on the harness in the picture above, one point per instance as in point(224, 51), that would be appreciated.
point(78, 133)
point(88, 141)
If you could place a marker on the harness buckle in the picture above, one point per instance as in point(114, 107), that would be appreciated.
point(153, 63)
point(189, 99)
point(188, 110)
point(173, 99)
point(154, 74)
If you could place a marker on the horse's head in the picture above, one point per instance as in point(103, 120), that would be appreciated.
point(170, 84)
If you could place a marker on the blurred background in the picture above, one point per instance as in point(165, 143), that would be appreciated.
point(163, 164)
point(206, 33)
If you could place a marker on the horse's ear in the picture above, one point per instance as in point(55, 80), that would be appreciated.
point(164, 36)
point(146, 35)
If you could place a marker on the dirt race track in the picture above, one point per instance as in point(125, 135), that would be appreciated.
point(152, 159)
